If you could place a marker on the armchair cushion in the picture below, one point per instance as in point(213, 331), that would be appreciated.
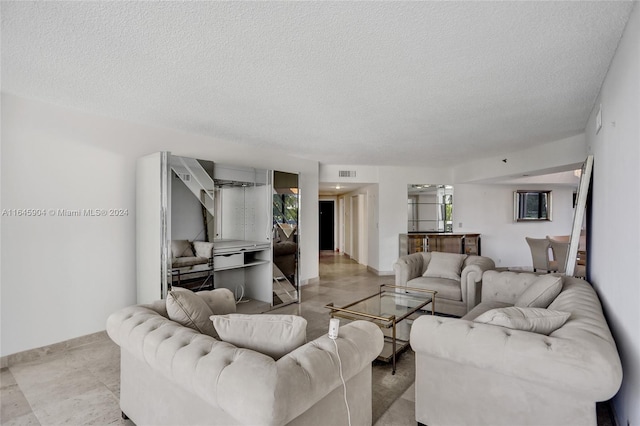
point(536, 320)
point(445, 265)
point(183, 262)
point(272, 335)
point(203, 249)
point(540, 293)
point(181, 248)
point(447, 289)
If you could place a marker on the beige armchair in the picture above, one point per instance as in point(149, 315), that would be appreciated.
point(456, 277)
point(186, 253)
point(192, 264)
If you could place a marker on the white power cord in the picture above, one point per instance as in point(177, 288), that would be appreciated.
point(239, 299)
point(344, 385)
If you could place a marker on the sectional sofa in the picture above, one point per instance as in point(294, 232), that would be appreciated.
point(537, 350)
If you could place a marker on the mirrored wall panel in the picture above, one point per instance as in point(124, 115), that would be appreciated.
point(220, 228)
point(429, 208)
point(285, 206)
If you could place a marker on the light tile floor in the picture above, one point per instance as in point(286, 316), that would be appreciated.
point(81, 385)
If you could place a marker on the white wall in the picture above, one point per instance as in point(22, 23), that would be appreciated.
point(615, 243)
point(551, 157)
point(488, 209)
point(62, 276)
point(392, 205)
point(368, 252)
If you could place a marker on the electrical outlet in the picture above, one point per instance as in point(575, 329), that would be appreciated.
point(459, 224)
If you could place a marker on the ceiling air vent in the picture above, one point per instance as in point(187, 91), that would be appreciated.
point(346, 173)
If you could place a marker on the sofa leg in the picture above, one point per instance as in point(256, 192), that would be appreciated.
point(124, 416)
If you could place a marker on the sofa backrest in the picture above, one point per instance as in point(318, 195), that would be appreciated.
point(505, 286)
point(576, 297)
point(580, 299)
point(473, 259)
point(469, 260)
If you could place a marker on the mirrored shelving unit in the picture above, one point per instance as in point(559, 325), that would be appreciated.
point(204, 225)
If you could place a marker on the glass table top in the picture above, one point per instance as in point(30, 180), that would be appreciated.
point(386, 304)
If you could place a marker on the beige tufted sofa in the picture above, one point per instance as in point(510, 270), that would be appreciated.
point(173, 375)
point(455, 296)
point(468, 373)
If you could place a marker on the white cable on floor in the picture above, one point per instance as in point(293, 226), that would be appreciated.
point(239, 299)
point(344, 385)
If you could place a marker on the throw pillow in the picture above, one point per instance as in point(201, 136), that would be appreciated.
point(190, 310)
point(536, 320)
point(181, 248)
point(445, 265)
point(540, 293)
point(220, 300)
point(272, 335)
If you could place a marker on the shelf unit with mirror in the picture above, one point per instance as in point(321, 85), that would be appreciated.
point(203, 225)
point(429, 208)
point(430, 223)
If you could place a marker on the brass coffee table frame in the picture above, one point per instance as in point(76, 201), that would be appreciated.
point(389, 321)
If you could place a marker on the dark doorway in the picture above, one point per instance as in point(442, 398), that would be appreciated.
point(326, 225)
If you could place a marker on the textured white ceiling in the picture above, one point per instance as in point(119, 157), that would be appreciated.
point(381, 83)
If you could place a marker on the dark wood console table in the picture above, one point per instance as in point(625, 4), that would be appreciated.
point(449, 242)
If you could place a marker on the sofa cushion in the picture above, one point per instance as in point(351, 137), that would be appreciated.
point(537, 320)
point(447, 289)
point(272, 335)
point(181, 248)
point(540, 293)
point(182, 262)
point(190, 310)
point(445, 265)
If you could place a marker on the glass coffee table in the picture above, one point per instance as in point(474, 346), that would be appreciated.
point(388, 309)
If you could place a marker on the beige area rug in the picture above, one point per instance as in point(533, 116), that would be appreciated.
point(387, 387)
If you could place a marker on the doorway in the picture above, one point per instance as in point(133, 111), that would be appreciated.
point(326, 224)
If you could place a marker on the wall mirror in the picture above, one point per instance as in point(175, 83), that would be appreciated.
point(578, 218)
point(285, 237)
point(429, 208)
point(531, 206)
point(220, 230)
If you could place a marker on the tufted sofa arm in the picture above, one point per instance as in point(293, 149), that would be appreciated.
point(471, 278)
point(586, 367)
point(232, 378)
point(409, 267)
